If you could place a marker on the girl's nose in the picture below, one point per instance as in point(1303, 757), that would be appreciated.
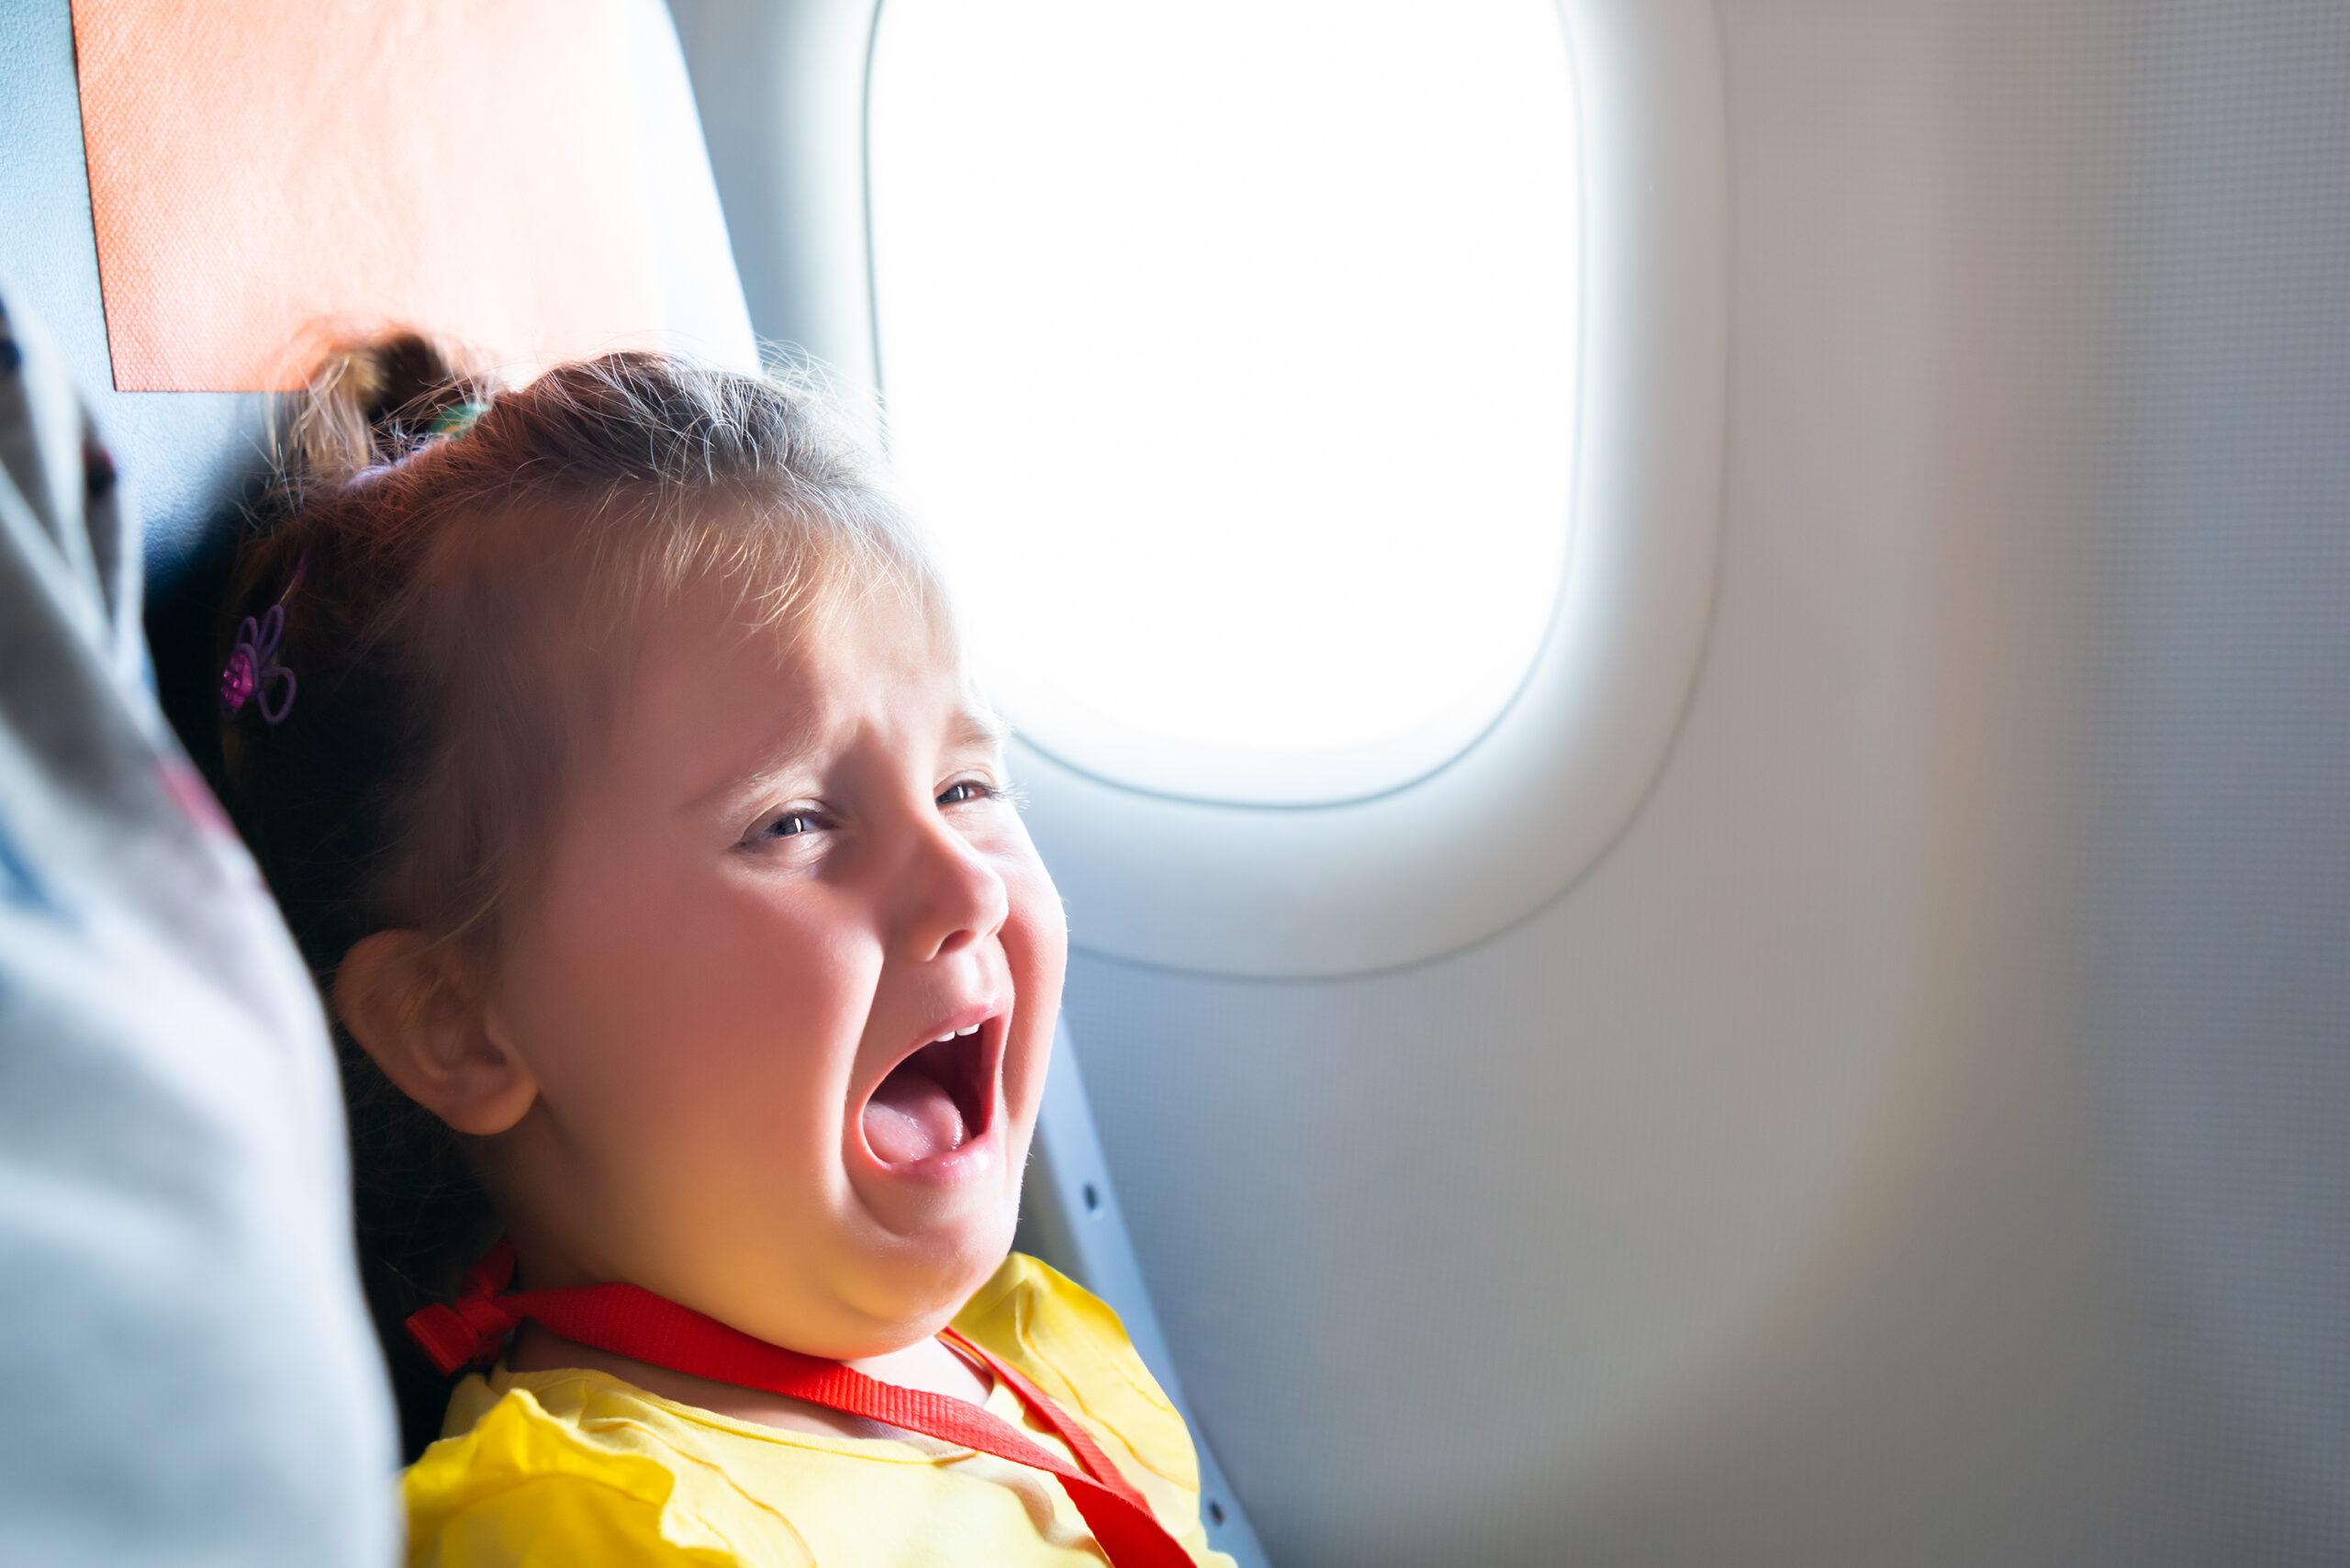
point(955, 897)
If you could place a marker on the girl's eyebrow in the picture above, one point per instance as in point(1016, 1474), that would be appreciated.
point(973, 728)
point(790, 754)
point(978, 726)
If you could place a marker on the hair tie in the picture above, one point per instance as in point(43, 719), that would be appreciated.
point(253, 673)
point(447, 425)
point(457, 419)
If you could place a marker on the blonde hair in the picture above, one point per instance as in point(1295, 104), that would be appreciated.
point(464, 573)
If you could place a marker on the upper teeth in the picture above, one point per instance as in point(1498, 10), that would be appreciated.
point(944, 1038)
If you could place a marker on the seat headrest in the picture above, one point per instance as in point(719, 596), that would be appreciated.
point(527, 179)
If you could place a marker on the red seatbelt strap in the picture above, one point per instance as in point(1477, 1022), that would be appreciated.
point(628, 1321)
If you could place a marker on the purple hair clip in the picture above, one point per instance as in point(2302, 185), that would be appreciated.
point(253, 673)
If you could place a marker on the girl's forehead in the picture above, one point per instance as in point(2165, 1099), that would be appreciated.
point(873, 658)
point(850, 650)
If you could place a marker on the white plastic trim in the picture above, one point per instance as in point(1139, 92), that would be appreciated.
point(1509, 823)
point(1525, 809)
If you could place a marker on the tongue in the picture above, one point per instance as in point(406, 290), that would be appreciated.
point(912, 1118)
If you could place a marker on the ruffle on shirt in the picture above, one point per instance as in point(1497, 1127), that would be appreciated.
point(1072, 1344)
point(521, 1489)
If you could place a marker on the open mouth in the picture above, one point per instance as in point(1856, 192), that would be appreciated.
point(936, 1101)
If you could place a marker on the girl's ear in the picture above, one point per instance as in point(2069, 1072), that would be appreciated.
point(407, 1000)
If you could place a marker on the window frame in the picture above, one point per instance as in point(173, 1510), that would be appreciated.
point(1291, 892)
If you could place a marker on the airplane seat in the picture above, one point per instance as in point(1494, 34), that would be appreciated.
point(148, 1225)
point(190, 451)
point(184, 457)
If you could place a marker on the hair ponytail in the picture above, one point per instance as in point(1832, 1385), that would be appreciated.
point(370, 405)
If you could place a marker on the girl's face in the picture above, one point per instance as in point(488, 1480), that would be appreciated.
point(787, 991)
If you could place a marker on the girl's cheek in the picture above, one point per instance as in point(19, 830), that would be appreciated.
point(1040, 902)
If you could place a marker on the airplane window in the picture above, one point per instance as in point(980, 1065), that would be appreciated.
point(1231, 351)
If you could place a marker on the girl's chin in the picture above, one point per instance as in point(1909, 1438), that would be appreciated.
point(932, 1256)
point(958, 1239)
point(870, 1299)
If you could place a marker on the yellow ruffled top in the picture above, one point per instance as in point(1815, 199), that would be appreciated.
point(575, 1468)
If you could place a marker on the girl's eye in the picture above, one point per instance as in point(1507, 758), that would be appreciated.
point(968, 789)
point(790, 825)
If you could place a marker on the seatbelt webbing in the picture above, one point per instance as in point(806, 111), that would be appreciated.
point(627, 1321)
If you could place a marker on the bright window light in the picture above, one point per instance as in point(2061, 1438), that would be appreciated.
point(1229, 348)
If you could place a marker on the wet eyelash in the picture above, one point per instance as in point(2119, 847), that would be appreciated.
point(983, 791)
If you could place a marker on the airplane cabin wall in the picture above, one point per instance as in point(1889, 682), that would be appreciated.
point(1919, 1139)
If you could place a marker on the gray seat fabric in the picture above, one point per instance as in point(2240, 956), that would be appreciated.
point(182, 453)
point(191, 1377)
point(184, 456)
